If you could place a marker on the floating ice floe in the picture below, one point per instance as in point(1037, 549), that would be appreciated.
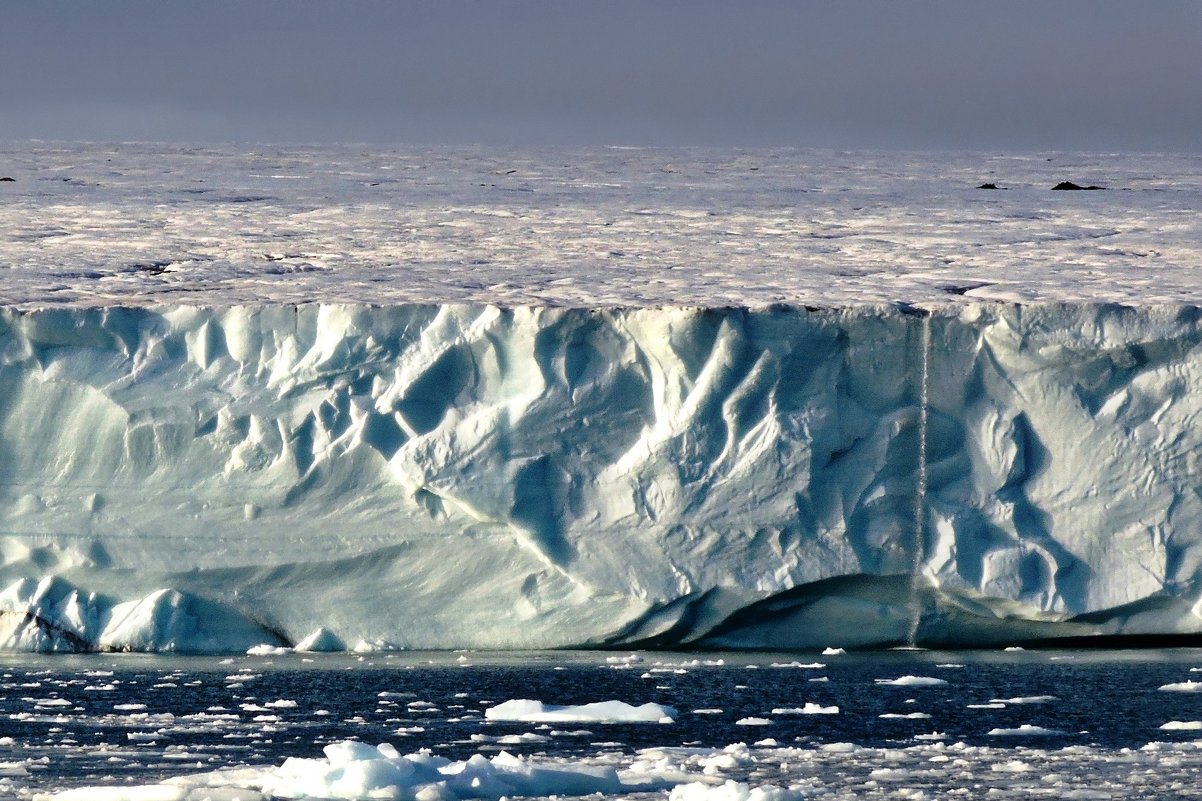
point(801, 665)
point(1024, 699)
point(355, 770)
point(1025, 730)
point(528, 711)
point(912, 681)
point(809, 709)
point(266, 649)
point(733, 791)
point(1181, 687)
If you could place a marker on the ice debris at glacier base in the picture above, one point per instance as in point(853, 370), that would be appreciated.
point(738, 772)
point(54, 615)
point(444, 476)
point(355, 770)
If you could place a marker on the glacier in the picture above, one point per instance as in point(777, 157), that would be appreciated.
point(180, 477)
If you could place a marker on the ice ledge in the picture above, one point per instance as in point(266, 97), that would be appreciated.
point(438, 476)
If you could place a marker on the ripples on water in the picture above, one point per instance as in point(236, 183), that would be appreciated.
point(1002, 720)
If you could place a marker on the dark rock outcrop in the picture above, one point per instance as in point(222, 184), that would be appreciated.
point(1070, 186)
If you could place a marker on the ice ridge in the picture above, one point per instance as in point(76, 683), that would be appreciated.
point(461, 475)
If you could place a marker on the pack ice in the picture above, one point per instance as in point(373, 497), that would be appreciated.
point(445, 476)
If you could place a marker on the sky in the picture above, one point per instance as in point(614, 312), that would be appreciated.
point(954, 74)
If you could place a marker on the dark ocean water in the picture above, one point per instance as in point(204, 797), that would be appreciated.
point(132, 719)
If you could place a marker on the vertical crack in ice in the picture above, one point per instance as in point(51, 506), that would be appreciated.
point(920, 484)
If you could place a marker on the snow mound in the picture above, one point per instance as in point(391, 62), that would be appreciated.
point(320, 640)
point(528, 711)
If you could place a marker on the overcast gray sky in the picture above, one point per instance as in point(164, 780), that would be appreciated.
point(1069, 74)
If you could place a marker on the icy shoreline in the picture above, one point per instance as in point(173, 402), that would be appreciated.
point(459, 475)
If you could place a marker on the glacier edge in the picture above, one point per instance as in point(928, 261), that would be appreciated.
point(459, 475)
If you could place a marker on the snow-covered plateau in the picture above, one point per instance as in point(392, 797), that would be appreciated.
point(336, 399)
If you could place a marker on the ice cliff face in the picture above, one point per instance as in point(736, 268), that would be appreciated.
point(463, 475)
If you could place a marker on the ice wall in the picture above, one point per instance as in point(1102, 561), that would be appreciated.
point(464, 475)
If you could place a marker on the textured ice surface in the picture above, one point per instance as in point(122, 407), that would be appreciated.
point(547, 400)
point(139, 224)
point(475, 476)
point(54, 615)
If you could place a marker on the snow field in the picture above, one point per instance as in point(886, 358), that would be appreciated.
point(98, 225)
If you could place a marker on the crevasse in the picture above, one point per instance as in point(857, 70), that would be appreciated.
point(444, 476)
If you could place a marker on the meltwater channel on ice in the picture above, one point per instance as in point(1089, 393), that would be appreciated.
point(339, 400)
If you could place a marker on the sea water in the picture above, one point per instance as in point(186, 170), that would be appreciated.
point(914, 722)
